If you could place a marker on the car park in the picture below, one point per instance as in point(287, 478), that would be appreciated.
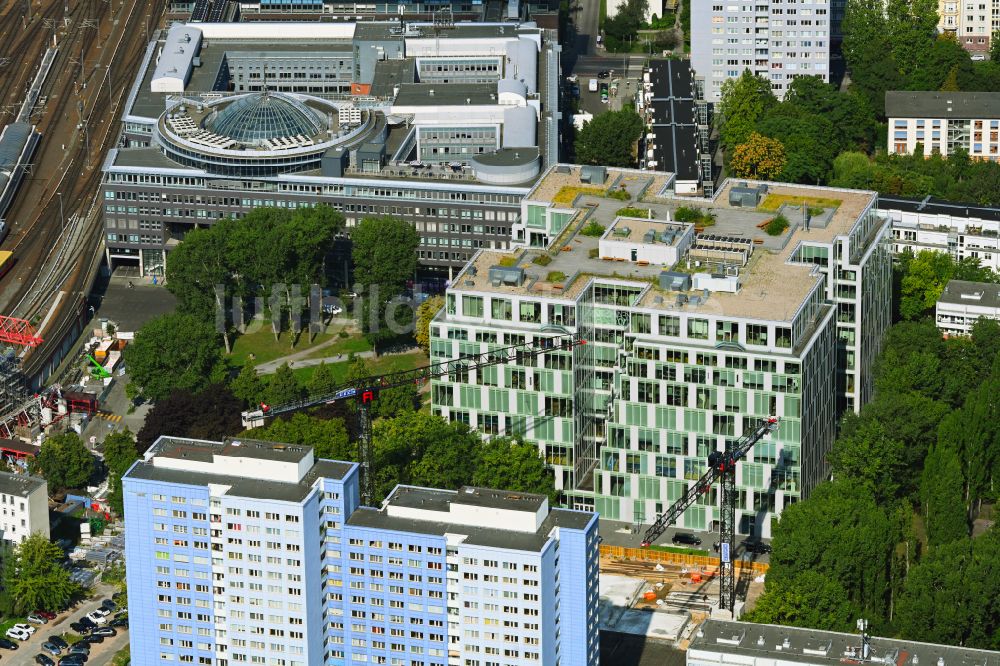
point(51, 648)
point(686, 539)
point(44, 660)
point(107, 632)
point(7, 644)
point(58, 640)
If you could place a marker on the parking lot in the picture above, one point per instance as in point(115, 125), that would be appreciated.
point(101, 654)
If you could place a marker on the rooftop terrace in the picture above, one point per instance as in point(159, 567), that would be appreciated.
point(771, 288)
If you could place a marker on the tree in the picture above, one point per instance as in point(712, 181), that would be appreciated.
point(508, 464)
point(65, 462)
point(34, 577)
point(425, 313)
point(995, 46)
point(283, 387)
point(951, 81)
point(923, 283)
point(385, 258)
point(212, 414)
point(248, 385)
point(806, 139)
point(174, 352)
point(952, 596)
point(328, 437)
point(401, 446)
point(941, 490)
point(852, 170)
point(322, 380)
point(397, 400)
point(809, 600)
point(842, 532)
point(742, 103)
point(758, 157)
point(200, 276)
point(870, 457)
point(120, 452)
point(610, 139)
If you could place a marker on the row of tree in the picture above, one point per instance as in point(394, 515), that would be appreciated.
point(889, 538)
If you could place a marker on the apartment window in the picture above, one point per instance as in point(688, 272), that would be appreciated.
point(698, 329)
point(670, 326)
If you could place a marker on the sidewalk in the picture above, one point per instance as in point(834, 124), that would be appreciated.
point(272, 366)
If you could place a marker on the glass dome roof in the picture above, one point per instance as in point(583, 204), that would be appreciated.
point(266, 115)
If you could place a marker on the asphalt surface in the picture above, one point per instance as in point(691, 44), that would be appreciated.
point(630, 650)
point(131, 308)
point(100, 653)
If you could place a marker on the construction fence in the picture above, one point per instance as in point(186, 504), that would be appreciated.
point(699, 561)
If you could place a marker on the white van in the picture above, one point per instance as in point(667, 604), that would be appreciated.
point(593, 85)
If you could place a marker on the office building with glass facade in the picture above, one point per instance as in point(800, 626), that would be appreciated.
point(696, 322)
point(245, 551)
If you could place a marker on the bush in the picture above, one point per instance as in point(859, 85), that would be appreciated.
point(621, 195)
point(593, 229)
point(593, 252)
point(629, 211)
point(776, 226)
point(555, 276)
point(687, 214)
point(508, 262)
point(542, 260)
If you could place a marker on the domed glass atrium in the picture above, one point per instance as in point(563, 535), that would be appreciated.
point(257, 117)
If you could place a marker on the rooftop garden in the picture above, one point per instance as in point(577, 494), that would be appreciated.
point(567, 194)
point(772, 202)
point(696, 216)
point(631, 211)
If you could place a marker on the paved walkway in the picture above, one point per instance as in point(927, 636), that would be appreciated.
point(100, 653)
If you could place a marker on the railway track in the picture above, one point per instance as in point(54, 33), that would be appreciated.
point(56, 260)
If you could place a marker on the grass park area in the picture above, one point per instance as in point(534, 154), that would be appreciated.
point(264, 347)
point(380, 366)
point(772, 202)
point(683, 551)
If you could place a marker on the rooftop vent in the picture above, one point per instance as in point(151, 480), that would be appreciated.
point(595, 175)
point(675, 281)
point(622, 231)
point(506, 275)
point(649, 237)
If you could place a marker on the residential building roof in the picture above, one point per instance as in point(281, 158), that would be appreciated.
point(980, 294)
point(931, 104)
point(935, 206)
point(20, 484)
point(791, 644)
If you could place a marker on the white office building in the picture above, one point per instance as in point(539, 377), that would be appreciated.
point(24, 507)
point(777, 40)
point(964, 231)
point(943, 122)
point(962, 304)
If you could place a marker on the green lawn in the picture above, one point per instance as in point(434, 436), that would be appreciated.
point(772, 202)
point(10, 622)
point(355, 343)
point(264, 347)
point(380, 366)
point(122, 657)
point(683, 551)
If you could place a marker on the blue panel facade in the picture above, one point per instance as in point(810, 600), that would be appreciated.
point(578, 578)
point(167, 534)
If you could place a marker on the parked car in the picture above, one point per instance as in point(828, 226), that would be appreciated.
point(36, 618)
point(58, 640)
point(603, 74)
point(81, 649)
point(44, 660)
point(73, 660)
point(116, 596)
point(120, 622)
point(107, 632)
point(97, 617)
point(51, 648)
point(18, 634)
point(87, 622)
point(7, 644)
point(756, 547)
point(686, 538)
point(25, 627)
point(46, 614)
point(93, 638)
point(109, 606)
point(79, 627)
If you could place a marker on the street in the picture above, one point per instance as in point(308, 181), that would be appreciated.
point(101, 654)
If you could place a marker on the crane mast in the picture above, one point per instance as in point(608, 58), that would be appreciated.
point(722, 468)
point(366, 391)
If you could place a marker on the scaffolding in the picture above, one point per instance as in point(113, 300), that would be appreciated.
point(18, 405)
